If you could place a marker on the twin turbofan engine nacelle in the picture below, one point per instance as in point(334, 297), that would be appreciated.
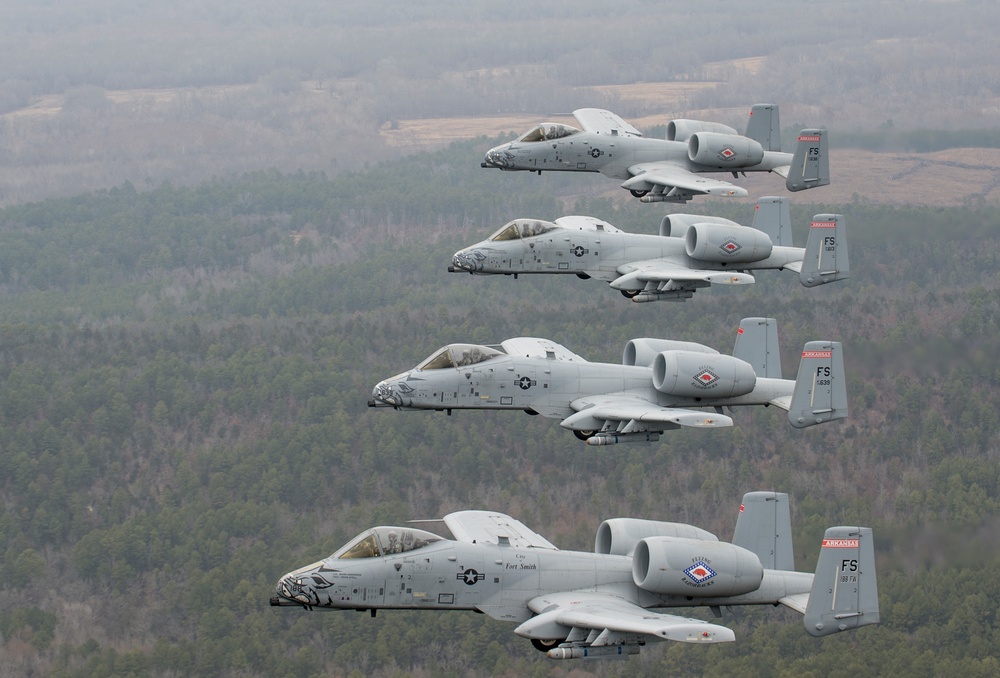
point(722, 244)
point(690, 370)
point(717, 240)
point(725, 151)
point(692, 567)
point(700, 375)
point(715, 144)
point(619, 536)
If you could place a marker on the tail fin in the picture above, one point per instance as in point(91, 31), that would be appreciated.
point(826, 251)
point(820, 393)
point(757, 344)
point(763, 126)
point(771, 216)
point(844, 591)
point(811, 162)
point(764, 526)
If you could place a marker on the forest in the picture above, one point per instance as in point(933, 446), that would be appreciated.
point(183, 416)
point(105, 91)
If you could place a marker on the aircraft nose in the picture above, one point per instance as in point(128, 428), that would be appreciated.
point(383, 395)
point(497, 157)
point(293, 590)
point(460, 261)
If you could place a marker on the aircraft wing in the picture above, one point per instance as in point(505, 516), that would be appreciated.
point(611, 617)
point(648, 175)
point(540, 348)
point(488, 527)
point(599, 121)
point(625, 407)
point(660, 271)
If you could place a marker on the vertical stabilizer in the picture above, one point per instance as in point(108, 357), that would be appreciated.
point(764, 526)
point(811, 162)
point(844, 592)
point(820, 393)
point(764, 127)
point(757, 344)
point(825, 259)
point(771, 215)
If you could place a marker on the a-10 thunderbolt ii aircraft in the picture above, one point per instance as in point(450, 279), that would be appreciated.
point(691, 251)
point(659, 386)
point(574, 604)
point(671, 169)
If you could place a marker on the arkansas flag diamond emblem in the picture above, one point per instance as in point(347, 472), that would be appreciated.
point(699, 572)
point(730, 246)
point(705, 378)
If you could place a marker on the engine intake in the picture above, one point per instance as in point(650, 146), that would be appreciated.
point(697, 375)
point(643, 351)
point(688, 567)
point(618, 536)
point(724, 151)
point(723, 244)
point(682, 129)
point(677, 225)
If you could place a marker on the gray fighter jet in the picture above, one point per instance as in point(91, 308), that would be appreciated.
point(671, 169)
point(574, 604)
point(691, 251)
point(659, 386)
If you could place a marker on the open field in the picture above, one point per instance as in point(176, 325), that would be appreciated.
point(186, 135)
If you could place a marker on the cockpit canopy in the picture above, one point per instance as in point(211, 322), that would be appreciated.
point(522, 228)
point(548, 131)
point(458, 355)
point(383, 541)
